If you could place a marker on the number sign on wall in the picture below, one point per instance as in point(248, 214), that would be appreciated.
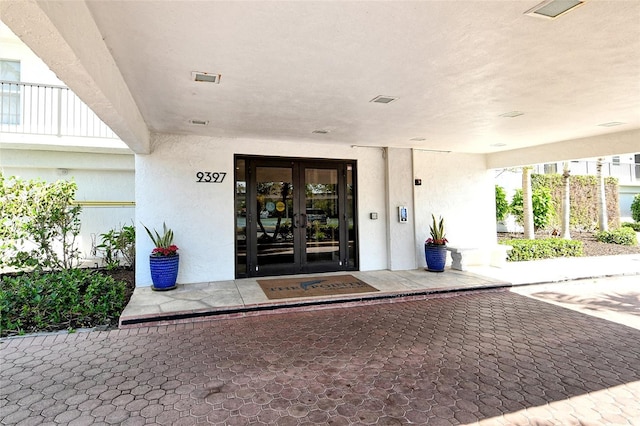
point(210, 177)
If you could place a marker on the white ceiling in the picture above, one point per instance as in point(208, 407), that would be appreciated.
point(289, 68)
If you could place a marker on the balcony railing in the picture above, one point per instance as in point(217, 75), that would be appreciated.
point(623, 171)
point(40, 109)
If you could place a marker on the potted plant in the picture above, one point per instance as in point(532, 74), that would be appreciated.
point(164, 259)
point(435, 248)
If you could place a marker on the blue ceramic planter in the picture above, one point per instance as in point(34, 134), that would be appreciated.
point(164, 271)
point(436, 257)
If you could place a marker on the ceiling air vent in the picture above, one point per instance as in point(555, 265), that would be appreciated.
point(206, 77)
point(321, 131)
point(383, 99)
point(551, 9)
point(199, 122)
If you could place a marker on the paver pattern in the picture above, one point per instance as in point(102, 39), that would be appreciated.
point(487, 358)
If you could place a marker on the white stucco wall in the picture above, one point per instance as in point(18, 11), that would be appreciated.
point(401, 247)
point(202, 215)
point(459, 188)
point(32, 68)
point(456, 186)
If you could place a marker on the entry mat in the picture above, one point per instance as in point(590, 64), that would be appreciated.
point(313, 286)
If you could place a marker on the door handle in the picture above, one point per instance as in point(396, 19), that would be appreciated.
point(295, 221)
point(304, 223)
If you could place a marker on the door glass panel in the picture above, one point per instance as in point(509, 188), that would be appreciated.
point(274, 207)
point(322, 219)
point(241, 218)
point(350, 213)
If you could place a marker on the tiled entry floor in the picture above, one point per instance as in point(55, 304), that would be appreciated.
point(192, 302)
point(195, 302)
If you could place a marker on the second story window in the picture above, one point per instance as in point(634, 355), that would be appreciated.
point(9, 92)
point(551, 168)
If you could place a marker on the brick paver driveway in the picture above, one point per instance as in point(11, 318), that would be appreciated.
point(490, 357)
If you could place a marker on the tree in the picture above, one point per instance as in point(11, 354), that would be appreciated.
point(635, 208)
point(502, 205)
point(601, 198)
point(566, 203)
point(527, 207)
point(540, 206)
point(38, 224)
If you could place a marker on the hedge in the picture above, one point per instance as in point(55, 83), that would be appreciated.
point(542, 249)
point(58, 300)
point(624, 236)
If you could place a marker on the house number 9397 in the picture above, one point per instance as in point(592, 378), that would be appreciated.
point(210, 177)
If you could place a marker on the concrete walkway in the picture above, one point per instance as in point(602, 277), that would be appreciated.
point(243, 297)
point(487, 358)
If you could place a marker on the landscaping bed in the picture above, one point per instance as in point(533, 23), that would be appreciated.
point(590, 246)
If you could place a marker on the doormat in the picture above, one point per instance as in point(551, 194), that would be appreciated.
point(314, 286)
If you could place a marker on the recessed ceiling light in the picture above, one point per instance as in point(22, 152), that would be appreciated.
point(321, 131)
point(611, 124)
point(418, 139)
point(551, 9)
point(380, 99)
point(512, 114)
point(206, 77)
point(199, 122)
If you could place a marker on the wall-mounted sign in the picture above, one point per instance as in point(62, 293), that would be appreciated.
point(280, 206)
point(210, 177)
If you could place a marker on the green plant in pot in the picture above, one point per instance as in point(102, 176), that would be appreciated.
point(164, 259)
point(435, 248)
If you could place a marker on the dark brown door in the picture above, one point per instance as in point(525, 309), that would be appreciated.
point(294, 216)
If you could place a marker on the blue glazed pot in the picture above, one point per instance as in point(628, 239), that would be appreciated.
point(436, 256)
point(164, 271)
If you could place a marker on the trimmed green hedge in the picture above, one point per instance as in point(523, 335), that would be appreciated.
point(542, 249)
point(624, 236)
point(61, 300)
point(633, 225)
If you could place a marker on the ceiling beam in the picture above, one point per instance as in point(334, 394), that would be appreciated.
point(64, 35)
point(573, 149)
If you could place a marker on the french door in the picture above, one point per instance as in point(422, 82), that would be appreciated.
point(294, 216)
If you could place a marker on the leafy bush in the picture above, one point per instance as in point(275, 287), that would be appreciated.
point(542, 249)
point(58, 300)
point(541, 203)
point(118, 244)
point(584, 211)
point(502, 205)
point(624, 236)
point(38, 224)
point(633, 225)
point(635, 208)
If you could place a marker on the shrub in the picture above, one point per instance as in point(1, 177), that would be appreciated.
point(58, 300)
point(635, 208)
point(541, 203)
point(633, 225)
point(624, 236)
point(502, 205)
point(584, 211)
point(118, 244)
point(542, 249)
point(38, 224)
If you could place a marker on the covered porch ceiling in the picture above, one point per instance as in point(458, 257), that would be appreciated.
point(464, 76)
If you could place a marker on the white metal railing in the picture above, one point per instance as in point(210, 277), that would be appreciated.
point(625, 172)
point(40, 109)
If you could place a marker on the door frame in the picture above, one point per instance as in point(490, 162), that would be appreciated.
point(348, 256)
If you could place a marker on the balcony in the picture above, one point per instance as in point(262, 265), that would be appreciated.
point(38, 109)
